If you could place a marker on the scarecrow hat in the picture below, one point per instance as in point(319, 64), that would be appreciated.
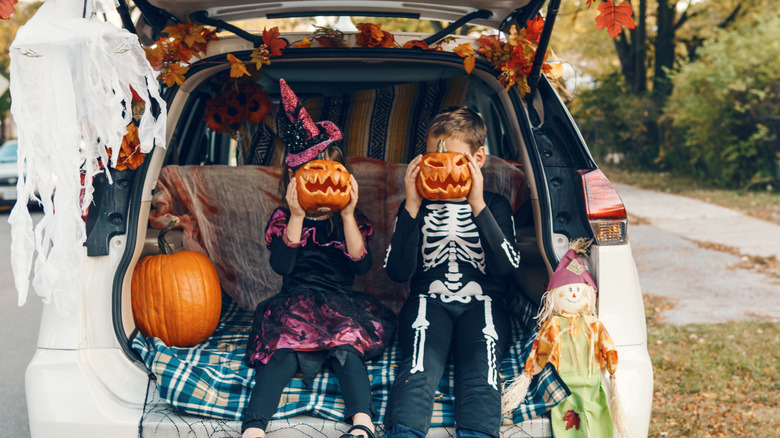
point(571, 269)
point(304, 138)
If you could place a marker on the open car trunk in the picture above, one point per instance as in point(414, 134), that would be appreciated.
point(224, 189)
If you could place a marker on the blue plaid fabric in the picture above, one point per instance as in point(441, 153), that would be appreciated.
point(211, 380)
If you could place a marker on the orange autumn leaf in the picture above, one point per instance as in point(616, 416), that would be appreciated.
point(237, 67)
point(468, 63)
point(304, 43)
point(155, 56)
point(271, 39)
point(129, 156)
point(174, 74)
point(466, 51)
point(614, 17)
point(416, 43)
point(7, 8)
point(372, 35)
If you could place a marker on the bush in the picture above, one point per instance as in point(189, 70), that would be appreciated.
point(615, 122)
point(725, 107)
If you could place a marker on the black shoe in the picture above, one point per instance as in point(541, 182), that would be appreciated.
point(358, 427)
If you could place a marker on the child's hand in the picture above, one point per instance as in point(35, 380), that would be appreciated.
point(296, 211)
point(349, 210)
point(413, 198)
point(476, 199)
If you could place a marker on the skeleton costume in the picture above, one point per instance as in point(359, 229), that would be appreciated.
point(459, 266)
point(316, 319)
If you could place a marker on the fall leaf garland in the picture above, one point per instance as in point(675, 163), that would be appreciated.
point(511, 58)
point(171, 55)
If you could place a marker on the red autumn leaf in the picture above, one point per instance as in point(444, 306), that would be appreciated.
point(7, 8)
point(327, 41)
point(533, 29)
point(572, 420)
point(271, 39)
point(614, 17)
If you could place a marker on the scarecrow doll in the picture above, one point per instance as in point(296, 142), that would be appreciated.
point(578, 345)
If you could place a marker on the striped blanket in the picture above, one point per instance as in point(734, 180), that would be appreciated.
point(210, 379)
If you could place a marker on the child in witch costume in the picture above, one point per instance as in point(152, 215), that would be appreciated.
point(316, 319)
point(578, 345)
point(459, 254)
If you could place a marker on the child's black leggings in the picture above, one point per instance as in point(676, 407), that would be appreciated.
point(271, 379)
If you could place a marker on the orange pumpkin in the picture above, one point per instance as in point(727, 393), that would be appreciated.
point(443, 175)
point(323, 186)
point(176, 296)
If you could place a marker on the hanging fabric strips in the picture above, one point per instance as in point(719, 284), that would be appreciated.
point(71, 80)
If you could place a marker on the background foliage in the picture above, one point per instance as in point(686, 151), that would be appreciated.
point(700, 61)
point(725, 106)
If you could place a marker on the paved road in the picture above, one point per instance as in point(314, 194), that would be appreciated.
point(18, 336)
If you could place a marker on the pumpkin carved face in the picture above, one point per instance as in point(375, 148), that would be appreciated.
point(443, 175)
point(323, 186)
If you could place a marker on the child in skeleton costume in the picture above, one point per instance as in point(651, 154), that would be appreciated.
point(578, 345)
point(316, 319)
point(459, 254)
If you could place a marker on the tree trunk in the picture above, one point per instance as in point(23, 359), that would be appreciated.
point(664, 48)
point(632, 52)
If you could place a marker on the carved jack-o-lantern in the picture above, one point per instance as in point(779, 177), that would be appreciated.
point(443, 175)
point(323, 186)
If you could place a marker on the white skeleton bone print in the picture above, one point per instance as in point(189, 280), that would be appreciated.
point(449, 236)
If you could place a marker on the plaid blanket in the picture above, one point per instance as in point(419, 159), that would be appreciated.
point(211, 380)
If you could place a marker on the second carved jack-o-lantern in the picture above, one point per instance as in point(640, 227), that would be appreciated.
point(443, 175)
point(323, 186)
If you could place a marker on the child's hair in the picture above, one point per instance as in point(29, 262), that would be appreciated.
point(332, 153)
point(462, 123)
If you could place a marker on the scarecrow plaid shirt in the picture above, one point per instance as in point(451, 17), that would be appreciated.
point(210, 379)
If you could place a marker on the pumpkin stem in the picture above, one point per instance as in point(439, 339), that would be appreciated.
point(162, 244)
point(440, 146)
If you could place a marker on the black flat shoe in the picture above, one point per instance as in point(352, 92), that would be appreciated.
point(358, 427)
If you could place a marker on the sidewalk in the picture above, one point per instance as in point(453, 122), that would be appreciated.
point(699, 221)
point(705, 285)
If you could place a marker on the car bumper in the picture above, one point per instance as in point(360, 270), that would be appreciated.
point(66, 398)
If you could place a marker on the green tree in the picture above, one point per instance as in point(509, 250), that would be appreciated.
point(668, 35)
point(8, 30)
point(724, 105)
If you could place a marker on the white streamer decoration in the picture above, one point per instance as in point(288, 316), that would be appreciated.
point(71, 100)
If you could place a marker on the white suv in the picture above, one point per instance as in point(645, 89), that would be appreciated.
point(94, 375)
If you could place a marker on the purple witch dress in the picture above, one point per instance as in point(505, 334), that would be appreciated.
point(317, 311)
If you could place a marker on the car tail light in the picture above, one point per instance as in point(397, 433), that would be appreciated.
point(606, 212)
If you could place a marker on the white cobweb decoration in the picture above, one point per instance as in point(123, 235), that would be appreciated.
point(71, 80)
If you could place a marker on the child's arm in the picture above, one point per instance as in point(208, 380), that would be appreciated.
point(401, 257)
point(295, 224)
point(497, 236)
point(356, 247)
point(413, 198)
point(284, 234)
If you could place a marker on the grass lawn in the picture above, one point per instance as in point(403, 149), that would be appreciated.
point(713, 380)
point(763, 205)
